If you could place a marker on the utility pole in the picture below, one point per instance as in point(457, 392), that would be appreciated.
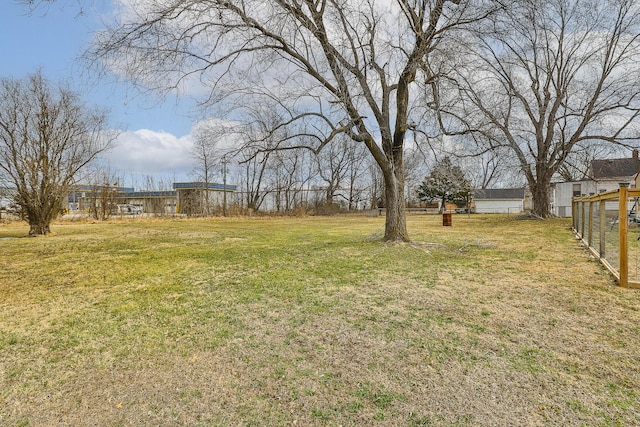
point(224, 186)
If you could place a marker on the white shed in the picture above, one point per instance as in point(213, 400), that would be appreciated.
point(501, 200)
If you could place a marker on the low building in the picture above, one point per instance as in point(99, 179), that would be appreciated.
point(190, 198)
point(197, 198)
point(502, 200)
point(84, 197)
point(162, 202)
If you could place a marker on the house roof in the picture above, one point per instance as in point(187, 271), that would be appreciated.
point(499, 193)
point(201, 185)
point(96, 188)
point(147, 194)
point(615, 168)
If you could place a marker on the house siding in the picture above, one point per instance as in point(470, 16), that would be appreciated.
point(563, 192)
point(501, 206)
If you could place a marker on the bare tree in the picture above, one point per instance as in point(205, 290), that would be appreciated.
point(376, 186)
point(334, 164)
point(254, 169)
point(46, 136)
point(356, 171)
point(306, 176)
point(102, 193)
point(257, 142)
point(209, 154)
point(546, 78)
point(289, 178)
point(328, 67)
point(203, 152)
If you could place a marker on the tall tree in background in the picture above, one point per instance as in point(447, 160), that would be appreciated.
point(446, 183)
point(335, 165)
point(291, 173)
point(545, 78)
point(46, 137)
point(209, 153)
point(327, 67)
point(102, 194)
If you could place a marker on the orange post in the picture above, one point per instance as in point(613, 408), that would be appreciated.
point(623, 224)
point(603, 227)
point(590, 225)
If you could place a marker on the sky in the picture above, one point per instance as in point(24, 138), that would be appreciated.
point(155, 135)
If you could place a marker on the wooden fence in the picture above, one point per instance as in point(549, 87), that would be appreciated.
point(604, 222)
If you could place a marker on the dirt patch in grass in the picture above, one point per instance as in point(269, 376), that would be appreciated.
point(313, 322)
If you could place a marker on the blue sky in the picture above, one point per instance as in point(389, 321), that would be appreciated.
point(53, 38)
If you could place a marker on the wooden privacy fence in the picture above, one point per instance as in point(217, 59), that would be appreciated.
point(609, 225)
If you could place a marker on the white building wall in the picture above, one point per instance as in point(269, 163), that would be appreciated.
point(563, 193)
point(499, 206)
point(5, 202)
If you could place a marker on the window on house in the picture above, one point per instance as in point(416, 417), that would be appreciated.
point(577, 190)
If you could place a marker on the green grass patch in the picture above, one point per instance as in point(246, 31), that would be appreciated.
point(313, 321)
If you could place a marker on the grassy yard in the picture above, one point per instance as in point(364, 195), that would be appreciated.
point(313, 321)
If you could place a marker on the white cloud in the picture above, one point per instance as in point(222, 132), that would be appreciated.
point(223, 134)
point(139, 155)
point(151, 153)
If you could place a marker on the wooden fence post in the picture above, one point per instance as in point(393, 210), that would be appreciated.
point(623, 225)
point(590, 224)
point(603, 227)
point(582, 218)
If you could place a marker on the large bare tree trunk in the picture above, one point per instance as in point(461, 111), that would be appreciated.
point(541, 201)
point(40, 220)
point(39, 228)
point(396, 223)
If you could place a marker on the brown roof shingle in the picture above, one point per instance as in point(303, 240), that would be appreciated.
point(615, 168)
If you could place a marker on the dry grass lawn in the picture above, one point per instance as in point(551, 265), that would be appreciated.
point(313, 321)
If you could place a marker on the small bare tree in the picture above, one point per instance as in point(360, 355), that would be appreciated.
point(102, 194)
point(254, 170)
point(357, 156)
point(340, 167)
point(376, 186)
point(288, 178)
point(203, 152)
point(209, 154)
point(258, 141)
point(46, 136)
